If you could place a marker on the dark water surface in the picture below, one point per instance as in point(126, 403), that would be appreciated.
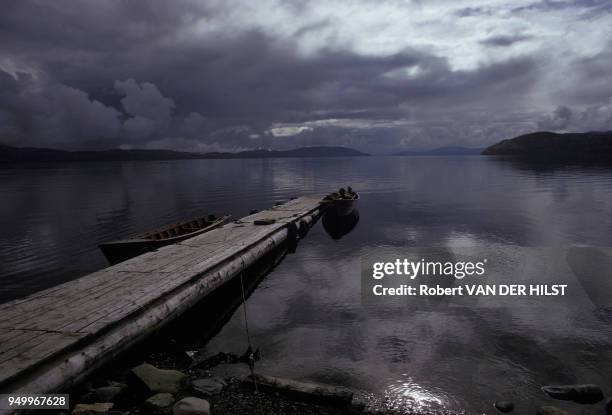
point(307, 315)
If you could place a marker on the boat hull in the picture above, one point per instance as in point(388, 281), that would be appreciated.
point(345, 207)
point(119, 251)
point(338, 226)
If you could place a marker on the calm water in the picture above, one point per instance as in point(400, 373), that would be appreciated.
point(307, 316)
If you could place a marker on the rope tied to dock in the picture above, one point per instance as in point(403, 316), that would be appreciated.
point(250, 355)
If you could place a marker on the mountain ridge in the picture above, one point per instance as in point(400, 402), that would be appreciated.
point(35, 154)
point(546, 144)
point(442, 151)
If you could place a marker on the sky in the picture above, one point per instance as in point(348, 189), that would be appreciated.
point(227, 75)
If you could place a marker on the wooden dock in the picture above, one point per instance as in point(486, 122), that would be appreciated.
point(53, 339)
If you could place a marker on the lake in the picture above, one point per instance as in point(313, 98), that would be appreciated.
point(307, 316)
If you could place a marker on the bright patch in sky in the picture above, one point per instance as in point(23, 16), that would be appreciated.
point(455, 29)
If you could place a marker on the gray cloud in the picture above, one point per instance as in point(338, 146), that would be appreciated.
point(553, 5)
point(46, 113)
point(505, 40)
point(591, 118)
point(150, 113)
point(473, 11)
point(200, 76)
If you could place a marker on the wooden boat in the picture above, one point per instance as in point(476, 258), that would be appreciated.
point(337, 226)
point(119, 251)
point(343, 201)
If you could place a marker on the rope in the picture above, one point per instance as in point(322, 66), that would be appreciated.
point(246, 320)
point(251, 356)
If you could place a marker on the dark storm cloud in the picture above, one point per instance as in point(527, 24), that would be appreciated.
point(592, 118)
point(505, 40)
point(554, 5)
point(545, 5)
point(594, 77)
point(50, 114)
point(188, 75)
point(473, 11)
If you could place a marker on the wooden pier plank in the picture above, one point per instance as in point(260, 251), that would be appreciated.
point(35, 349)
point(59, 311)
point(36, 329)
point(161, 281)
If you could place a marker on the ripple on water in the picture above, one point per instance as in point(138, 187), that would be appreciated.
point(404, 395)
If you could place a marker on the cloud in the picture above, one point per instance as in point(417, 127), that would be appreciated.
point(591, 118)
point(144, 100)
point(473, 11)
point(36, 112)
point(556, 5)
point(505, 40)
point(233, 75)
point(287, 131)
point(149, 112)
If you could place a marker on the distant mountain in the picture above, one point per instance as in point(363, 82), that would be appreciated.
point(32, 154)
point(321, 151)
point(555, 146)
point(442, 151)
point(25, 154)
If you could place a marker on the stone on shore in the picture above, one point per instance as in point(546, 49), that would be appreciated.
point(314, 392)
point(158, 380)
point(551, 410)
point(230, 371)
point(191, 406)
point(504, 406)
point(104, 393)
point(358, 405)
point(576, 393)
point(159, 402)
point(208, 387)
point(92, 409)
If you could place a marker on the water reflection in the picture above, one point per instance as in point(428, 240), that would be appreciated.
point(337, 225)
point(307, 315)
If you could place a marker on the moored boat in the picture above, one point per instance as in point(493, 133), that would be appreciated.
point(338, 226)
point(343, 201)
point(122, 250)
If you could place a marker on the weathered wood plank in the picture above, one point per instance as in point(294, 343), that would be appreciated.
point(95, 313)
point(25, 305)
point(54, 312)
point(41, 315)
point(160, 283)
point(34, 351)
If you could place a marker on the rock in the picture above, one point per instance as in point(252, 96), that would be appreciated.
point(158, 380)
point(315, 392)
point(230, 371)
point(358, 405)
point(575, 393)
point(92, 409)
point(551, 410)
point(191, 406)
point(159, 402)
point(104, 393)
point(209, 360)
point(504, 406)
point(609, 406)
point(208, 387)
